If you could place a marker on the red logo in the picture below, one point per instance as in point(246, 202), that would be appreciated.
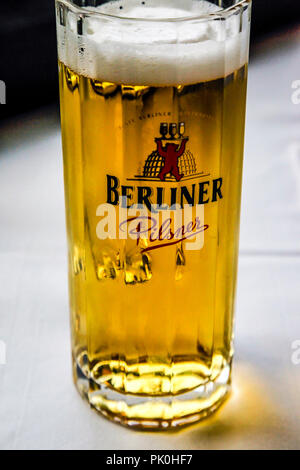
point(170, 153)
point(171, 161)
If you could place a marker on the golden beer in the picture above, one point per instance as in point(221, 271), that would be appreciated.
point(151, 316)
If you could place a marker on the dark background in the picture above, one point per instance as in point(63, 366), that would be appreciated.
point(28, 63)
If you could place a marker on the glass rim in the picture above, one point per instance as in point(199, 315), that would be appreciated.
point(86, 11)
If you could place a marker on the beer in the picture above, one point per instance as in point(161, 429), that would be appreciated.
point(151, 313)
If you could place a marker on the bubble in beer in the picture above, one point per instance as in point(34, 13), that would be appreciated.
point(104, 88)
point(137, 268)
point(180, 262)
point(108, 264)
point(77, 261)
point(133, 92)
point(72, 79)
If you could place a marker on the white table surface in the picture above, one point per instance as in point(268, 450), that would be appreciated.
point(39, 407)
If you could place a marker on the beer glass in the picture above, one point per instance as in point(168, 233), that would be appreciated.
point(152, 99)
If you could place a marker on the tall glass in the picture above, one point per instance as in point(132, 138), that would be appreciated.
point(153, 99)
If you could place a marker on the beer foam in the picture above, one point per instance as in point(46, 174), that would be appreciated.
point(153, 53)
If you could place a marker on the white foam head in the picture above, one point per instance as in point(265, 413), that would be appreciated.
point(147, 52)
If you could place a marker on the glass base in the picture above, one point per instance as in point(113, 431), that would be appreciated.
point(154, 412)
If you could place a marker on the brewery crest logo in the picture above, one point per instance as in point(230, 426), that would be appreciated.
point(171, 160)
point(154, 215)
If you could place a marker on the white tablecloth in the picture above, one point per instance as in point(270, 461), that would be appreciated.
point(39, 407)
